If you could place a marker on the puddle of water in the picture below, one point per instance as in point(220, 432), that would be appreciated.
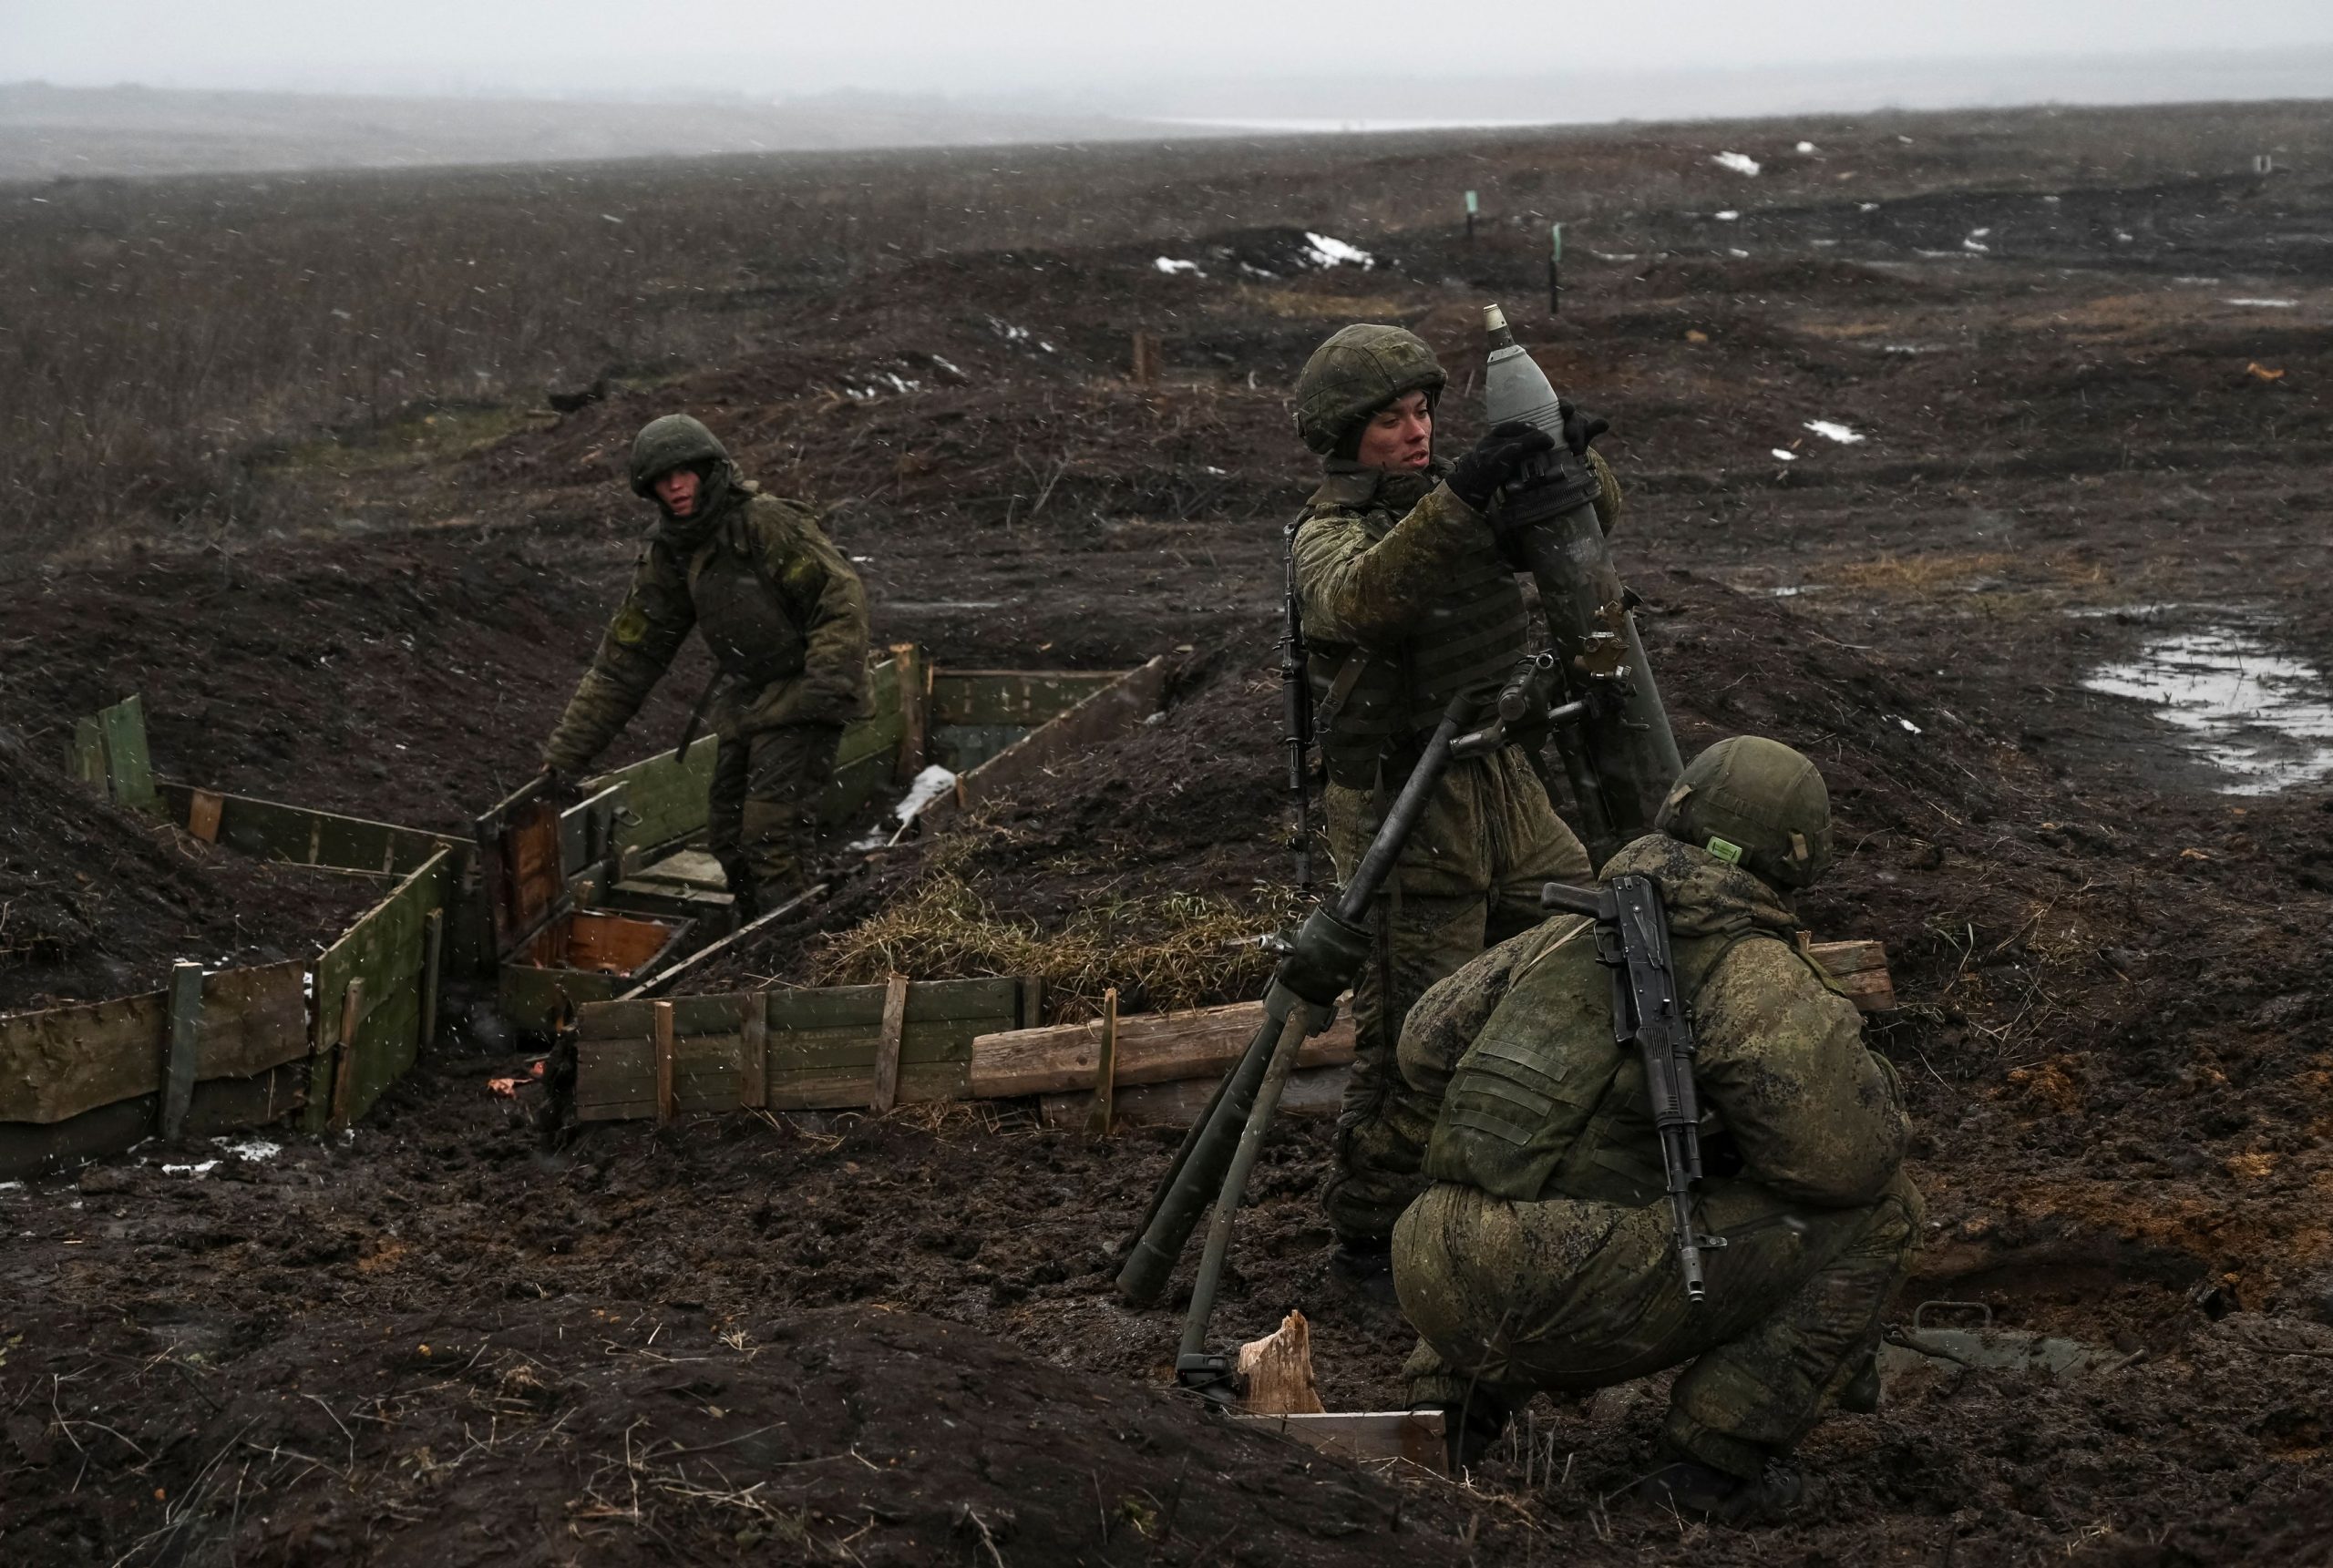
point(2260, 717)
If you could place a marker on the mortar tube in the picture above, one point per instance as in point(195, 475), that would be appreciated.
point(1209, 1148)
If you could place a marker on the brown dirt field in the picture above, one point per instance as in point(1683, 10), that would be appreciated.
point(744, 1338)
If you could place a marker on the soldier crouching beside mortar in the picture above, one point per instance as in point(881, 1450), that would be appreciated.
point(1407, 601)
point(1545, 1255)
point(785, 619)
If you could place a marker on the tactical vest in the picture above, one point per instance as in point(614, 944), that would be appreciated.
point(1372, 706)
point(1531, 1107)
point(746, 621)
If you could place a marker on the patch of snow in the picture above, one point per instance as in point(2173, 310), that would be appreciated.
point(1908, 724)
point(943, 365)
point(1218, 473)
point(1255, 271)
point(1866, 205)
point(2123, 238)
point(1806, 147)
point(1728, 216)
point(1327, 250)
point(1741, 163)
point(1976, 245)
point(926, 787)
point(2259, 716)
point(1738, 254)
point(1823, 244)
point(1911, 348)
point(253, 1148)
point(1171, 266)
point(2054, 200)
point(198, 1171)
point(12, 1187)
point(1613, 255)
point(1007, 332)
point(1785, 455)
point(1978, 233)
point(2264, 304)
point(1831, 431)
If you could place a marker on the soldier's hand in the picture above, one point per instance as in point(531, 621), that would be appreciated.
point(560, 788)
point(1497, 458)
point(1581, 429)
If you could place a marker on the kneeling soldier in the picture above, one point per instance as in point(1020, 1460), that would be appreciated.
point(1407, 600)
point(785, 619)
point(1543, 1255)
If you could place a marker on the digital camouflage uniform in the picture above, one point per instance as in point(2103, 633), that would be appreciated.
point(1543, 1257)
point(785, 619)
point(1407, 601)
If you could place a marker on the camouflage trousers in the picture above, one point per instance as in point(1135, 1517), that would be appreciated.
point(1512, 1297)
point(764, 807)
point(1468, 880)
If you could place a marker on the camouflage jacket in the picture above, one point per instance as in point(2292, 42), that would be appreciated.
point(1536, 1100)
point(778, 605)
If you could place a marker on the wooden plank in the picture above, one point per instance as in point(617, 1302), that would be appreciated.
point(181, 1048)
point(914, 688)
point(1024, 697)
point(433, 948)
point(887, 1045)
point(664, 1037)
point(270, 830)
point(1153, 1047)
point(1416, 1436)
point(224, 1106)
point(752, 1054)
point(129, 772)
point(1859, 968)
point(253, 1019)
point(1106, 1067)
point(1115, 709)
point(358, 1053)
point(665, 976)
point(1311, 1092)
point(343, 1082)
point(88, 756)
point(203, 811)
point(65, 1062)
point(666, 799)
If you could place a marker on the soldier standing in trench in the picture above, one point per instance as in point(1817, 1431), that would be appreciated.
point(785, 619)
point(1408, 599)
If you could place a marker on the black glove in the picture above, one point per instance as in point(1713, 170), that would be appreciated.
point(560, 787)
point(1497, 458)
point(1581, 429)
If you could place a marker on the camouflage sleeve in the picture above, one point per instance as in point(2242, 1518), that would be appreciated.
point(829, 603)
point(1610, 505)
point(1816, 1116)
point(1369, 591)
point(648, 629)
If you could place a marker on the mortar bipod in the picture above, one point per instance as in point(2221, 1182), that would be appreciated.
point(1321, 960)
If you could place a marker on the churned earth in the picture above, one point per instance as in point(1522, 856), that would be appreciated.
point(1989, 474)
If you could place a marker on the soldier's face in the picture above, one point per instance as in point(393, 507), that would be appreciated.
point(1398, 436)
point(677, 490)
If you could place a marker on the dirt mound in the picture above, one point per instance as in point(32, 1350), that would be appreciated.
point(98, 902)
point(1797, 279)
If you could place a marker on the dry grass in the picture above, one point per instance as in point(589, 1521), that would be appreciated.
point(1175, 951)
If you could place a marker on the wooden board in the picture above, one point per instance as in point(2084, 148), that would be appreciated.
point(129, 772)
point(1118, 708)
point(1025, 698)
point(1153, 1047)
point(253, 1019)
point(389, 950)
point(820, 1047)
point(664, 798)
point(293, 834)
point(220, 1106)
point(63, 1061)
point(1363, 1435)
point(1311, 1092)
point(1860, 969)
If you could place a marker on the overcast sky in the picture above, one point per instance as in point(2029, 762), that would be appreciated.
point(1092, 49)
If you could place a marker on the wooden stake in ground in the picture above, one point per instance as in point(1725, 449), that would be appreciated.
point(1276, 1371)
point(1106, 1068)
point(182, 1048)
point(753, 1052)
point(1145, 359)
point(664, 1097)
point(887, 1045)
point(344, 1078)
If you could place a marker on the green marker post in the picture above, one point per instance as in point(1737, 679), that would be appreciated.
point(1555, 269)
point(1472, 205)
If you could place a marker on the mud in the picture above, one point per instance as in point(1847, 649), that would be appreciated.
point(2114, 1024)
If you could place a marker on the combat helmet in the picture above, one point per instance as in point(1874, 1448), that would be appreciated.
point(1757, 804)
point(1357, 371)
point(674, 441)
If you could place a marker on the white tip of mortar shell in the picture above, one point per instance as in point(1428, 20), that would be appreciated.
point(1493, 318)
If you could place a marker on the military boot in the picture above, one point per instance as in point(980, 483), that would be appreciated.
point(1861, 1395)
point(1366, 1270)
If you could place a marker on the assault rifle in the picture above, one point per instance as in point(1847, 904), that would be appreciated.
point(1632, 941)
point(1296, 704)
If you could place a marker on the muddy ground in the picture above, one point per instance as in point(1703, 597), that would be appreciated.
point(2086, 443)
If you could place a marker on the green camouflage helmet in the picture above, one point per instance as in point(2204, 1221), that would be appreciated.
point(1357, 371)
point(1757, 804)
point(674, 441)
